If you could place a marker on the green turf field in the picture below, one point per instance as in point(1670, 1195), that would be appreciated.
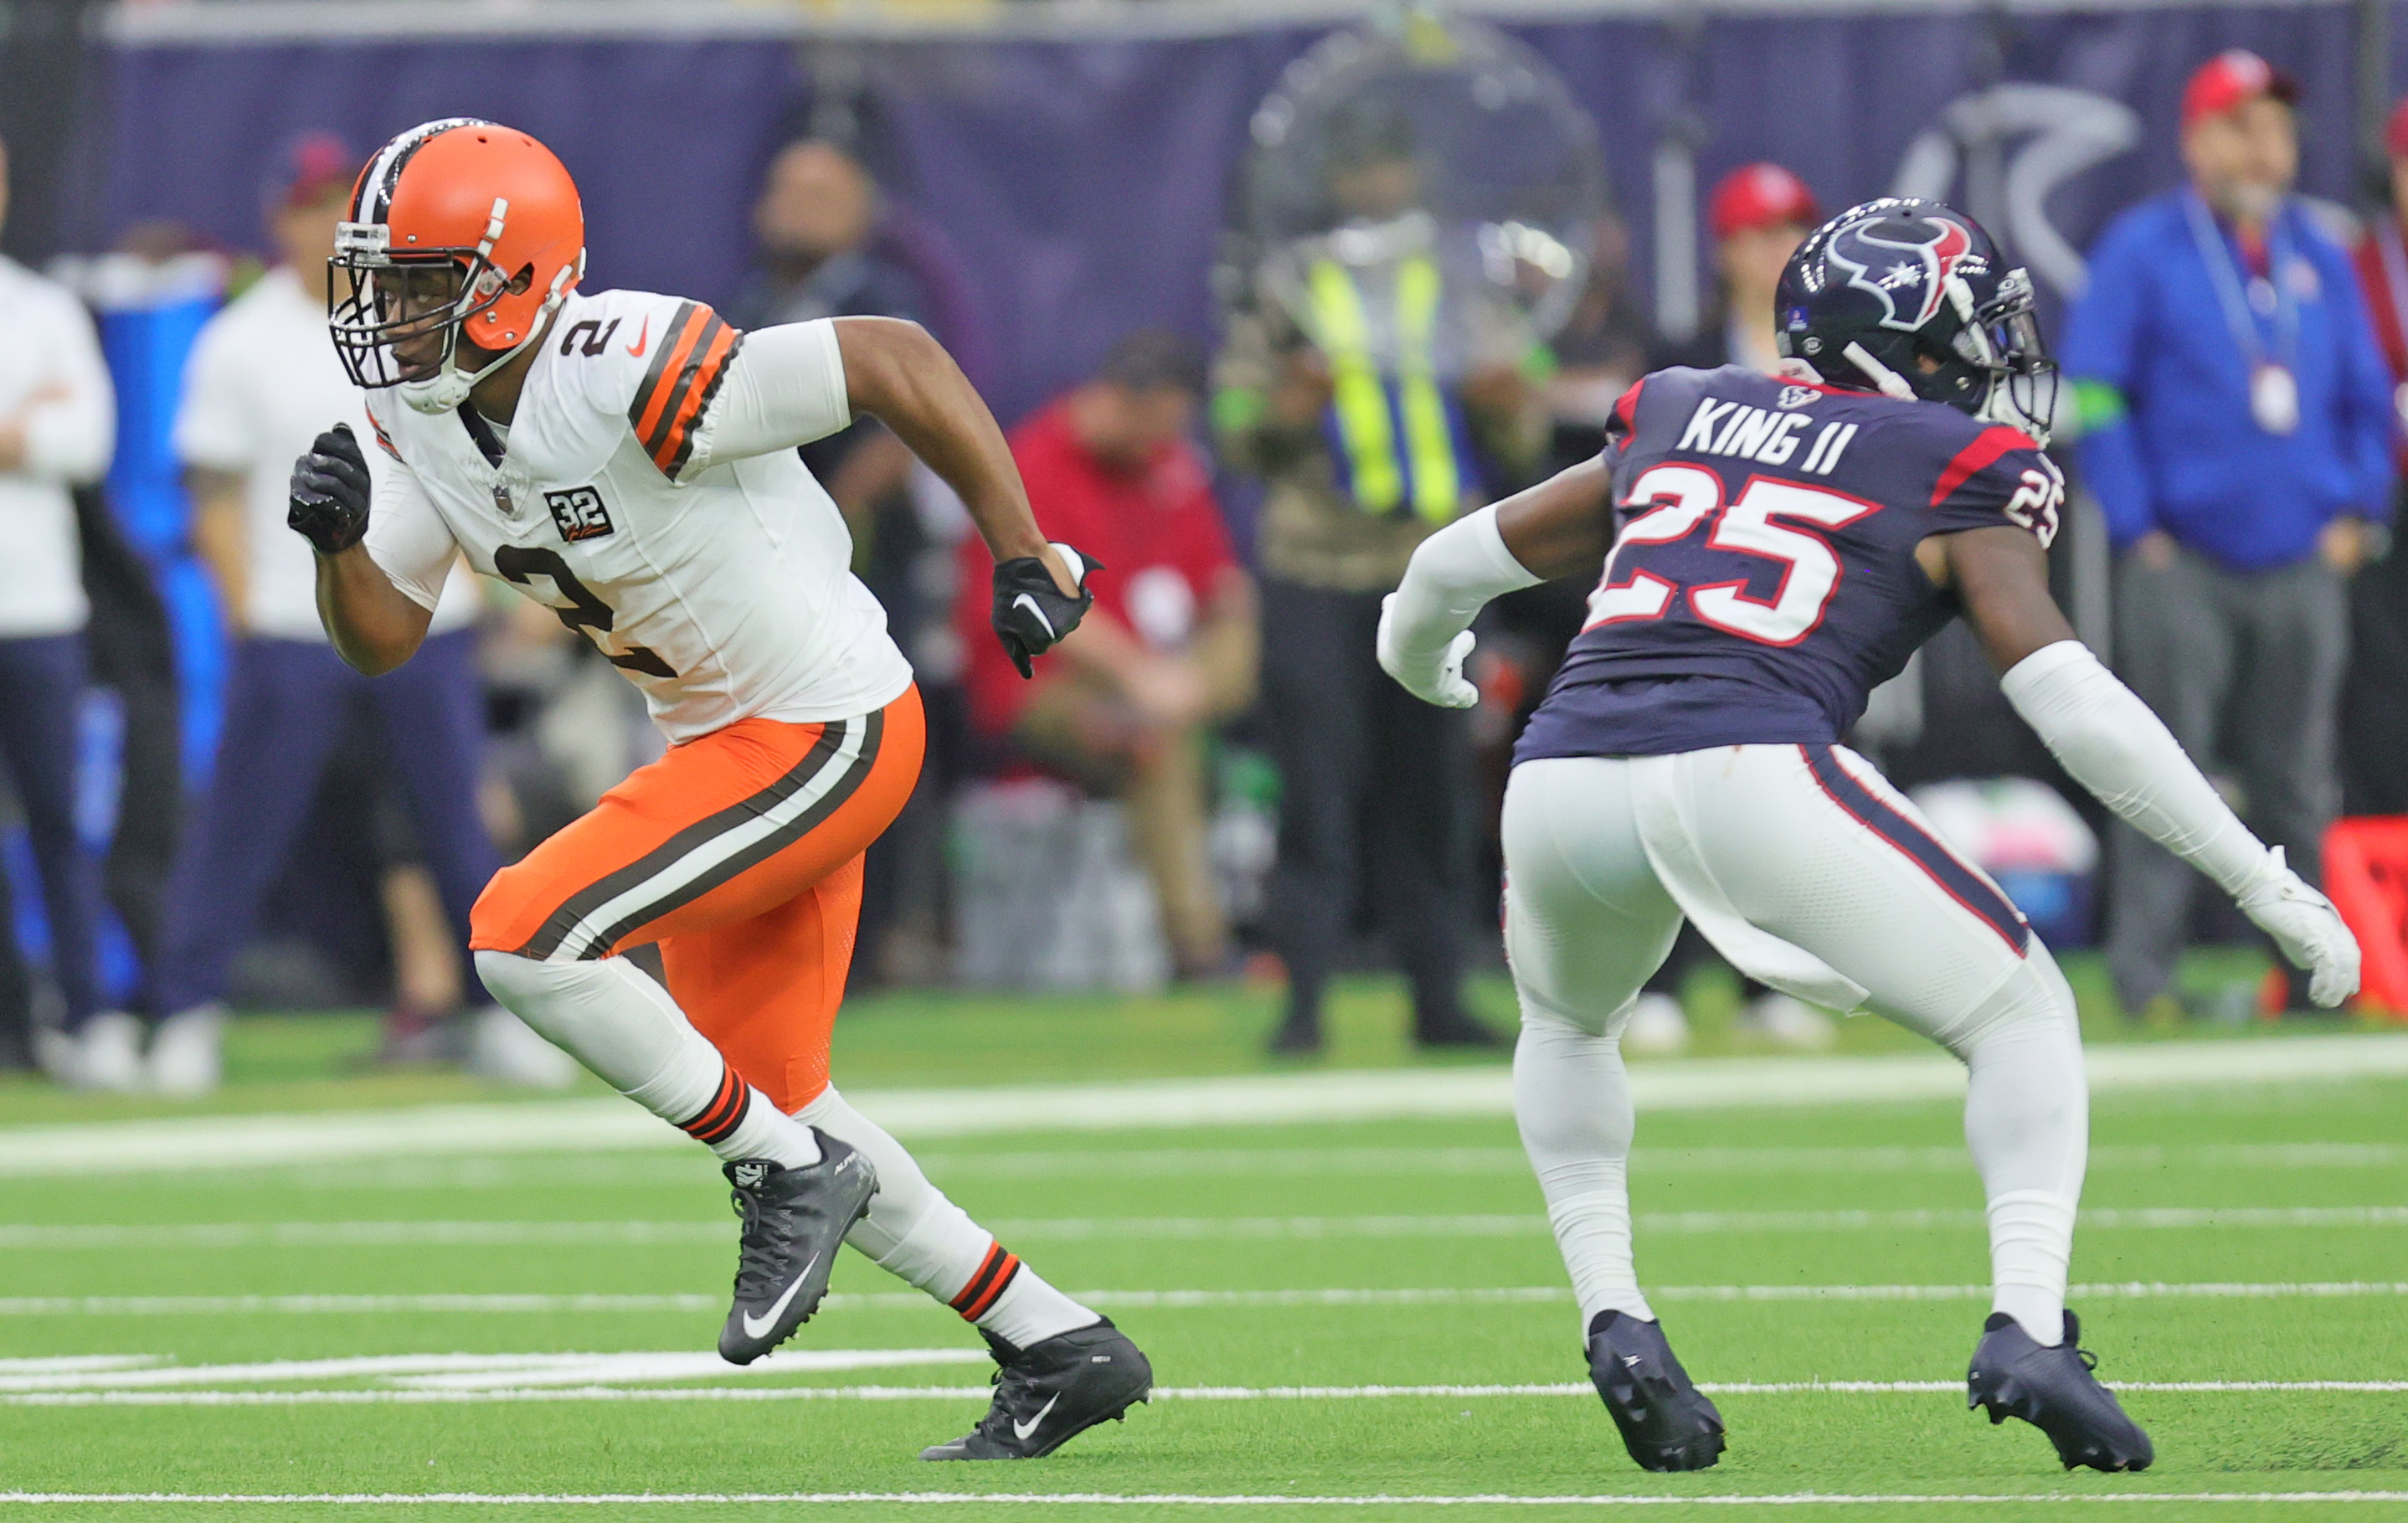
point(2241, 1234)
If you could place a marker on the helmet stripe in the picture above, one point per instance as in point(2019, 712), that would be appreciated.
point(383, 178)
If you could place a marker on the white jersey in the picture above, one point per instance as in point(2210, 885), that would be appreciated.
point(648, 490)
point(262, 384)
point(52, 378)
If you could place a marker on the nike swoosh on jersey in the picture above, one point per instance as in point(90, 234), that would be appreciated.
point(643, 337)
point(755, 1325)
point(1022, 1430)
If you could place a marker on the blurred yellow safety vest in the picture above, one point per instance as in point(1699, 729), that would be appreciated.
point(1366, 430)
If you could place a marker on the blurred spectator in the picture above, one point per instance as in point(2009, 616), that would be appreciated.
point(819, 223)
point(1599, 351)
point(2238, 431)
point(1365, 451)
point(1170, 647)
point(1756, 216)
point(2374, 697)
point(262, 384)
point(16, 993)
point(816, 222)
point(57, 422)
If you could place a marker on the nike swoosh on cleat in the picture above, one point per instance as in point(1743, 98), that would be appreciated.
point(1022, 1430)
point(643, 337)
point(1031, 602)
point(754, 1326)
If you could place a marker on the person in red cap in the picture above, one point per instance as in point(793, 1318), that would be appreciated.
point(1757, 215)
point(2237, 429)
point(2375, 697)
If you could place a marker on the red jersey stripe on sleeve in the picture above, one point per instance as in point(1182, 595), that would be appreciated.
point(1626, 409)
point(1974, 458)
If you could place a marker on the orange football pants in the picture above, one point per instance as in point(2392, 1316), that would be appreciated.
point(740, 853)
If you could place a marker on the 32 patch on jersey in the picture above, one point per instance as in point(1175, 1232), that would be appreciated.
point(579, 514)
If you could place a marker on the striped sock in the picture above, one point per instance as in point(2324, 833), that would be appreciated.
point(1012, 1301)
point(740, 1122)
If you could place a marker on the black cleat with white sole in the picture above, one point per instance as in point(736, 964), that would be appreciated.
point(2052, 1389)
point(794, 1219)
point(1666, 1423)
point(1048, 1393)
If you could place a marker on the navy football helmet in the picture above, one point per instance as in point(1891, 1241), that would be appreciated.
point(1908, 298)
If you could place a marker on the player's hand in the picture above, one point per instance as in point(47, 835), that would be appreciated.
point(330, 492)
point(1032, 614)
point(1438, 679)
point(2304, 924)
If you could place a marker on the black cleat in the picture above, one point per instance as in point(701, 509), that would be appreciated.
point(794, 1219)
point(2053, 1390)
point(1047, 1394)
point(1667, 1424)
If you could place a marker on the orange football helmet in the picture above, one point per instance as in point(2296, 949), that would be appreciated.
point(458, 228)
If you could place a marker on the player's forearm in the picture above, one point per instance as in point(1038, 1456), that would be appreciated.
point(217, 534)
point(2102, 734)
point(897, 373)
point(374, 625)
point(1563, 525)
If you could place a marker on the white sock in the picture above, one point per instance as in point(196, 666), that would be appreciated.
point(1571, 1099)
point(2028, 1125)
point(625, 1028)
point(915, 1233)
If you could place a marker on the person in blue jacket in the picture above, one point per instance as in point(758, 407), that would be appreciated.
point(2238, 432)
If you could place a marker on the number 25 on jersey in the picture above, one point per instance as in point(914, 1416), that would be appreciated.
point(1686, 495)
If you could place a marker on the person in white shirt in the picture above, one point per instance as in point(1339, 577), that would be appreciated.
point(263, 380)
point(58, 426)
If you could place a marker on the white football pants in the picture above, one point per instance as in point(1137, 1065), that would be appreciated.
point(1809, 872)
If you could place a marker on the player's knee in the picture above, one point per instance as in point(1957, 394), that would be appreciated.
point(497, 920)
point(1543, 1016)
point(2033, 997)
point(519, 983)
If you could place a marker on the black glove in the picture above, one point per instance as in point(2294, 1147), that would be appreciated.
point(1031, 615)
point(330, 492)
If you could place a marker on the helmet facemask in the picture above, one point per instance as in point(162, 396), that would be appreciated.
point(2005, 333)
point(397, 317)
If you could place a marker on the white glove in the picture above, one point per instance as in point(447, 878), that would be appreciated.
point(1439, 680)
point(2304, 924)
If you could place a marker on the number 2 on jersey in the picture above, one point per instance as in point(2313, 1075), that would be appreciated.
point(583, 611)
point(1686, 495)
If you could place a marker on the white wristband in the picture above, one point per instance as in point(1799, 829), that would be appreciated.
point(2101, 732)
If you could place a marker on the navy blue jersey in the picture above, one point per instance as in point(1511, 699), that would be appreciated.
point(1763, 580)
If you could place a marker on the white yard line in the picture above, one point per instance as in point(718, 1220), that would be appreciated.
point(584, 1126)
point(695, 1302)
point(424, 1396)
point(1158, 1499)
point(475, 1372)
point(90, 1237)
point(517, 1172)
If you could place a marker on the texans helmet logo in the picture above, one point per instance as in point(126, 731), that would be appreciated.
point(1910, 276)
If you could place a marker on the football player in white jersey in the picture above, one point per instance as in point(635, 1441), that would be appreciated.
point(629, 461)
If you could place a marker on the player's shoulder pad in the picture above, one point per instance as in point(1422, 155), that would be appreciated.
point(646, 363)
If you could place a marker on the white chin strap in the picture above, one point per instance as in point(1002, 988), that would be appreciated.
point(1886, 380)
point(449, 385)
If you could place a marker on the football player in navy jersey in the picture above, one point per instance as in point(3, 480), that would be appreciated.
point(1779, 545)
